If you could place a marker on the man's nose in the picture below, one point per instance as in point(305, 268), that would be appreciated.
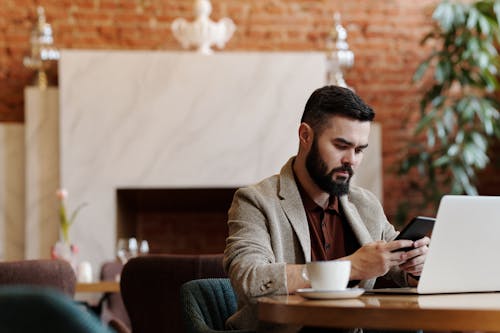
point(349, 157)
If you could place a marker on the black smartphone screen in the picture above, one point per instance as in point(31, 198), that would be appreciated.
point(418, 227)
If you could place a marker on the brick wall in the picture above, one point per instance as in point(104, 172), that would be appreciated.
point(384, 35)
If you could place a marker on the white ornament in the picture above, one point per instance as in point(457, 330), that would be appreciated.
point(203, 32)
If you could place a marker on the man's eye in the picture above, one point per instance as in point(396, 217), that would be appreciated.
point(342, 147)
point(359, 150)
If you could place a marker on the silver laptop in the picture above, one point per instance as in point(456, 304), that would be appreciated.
point(464, 251)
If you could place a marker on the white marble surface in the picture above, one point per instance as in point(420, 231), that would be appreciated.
point(12, 157)
point(41, 170)
point(173, 120)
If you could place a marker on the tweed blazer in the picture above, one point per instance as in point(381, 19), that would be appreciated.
point(268, 229)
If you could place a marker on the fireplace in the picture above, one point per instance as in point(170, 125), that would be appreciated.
point(182, 221)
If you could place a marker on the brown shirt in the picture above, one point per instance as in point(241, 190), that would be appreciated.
point(330, 233)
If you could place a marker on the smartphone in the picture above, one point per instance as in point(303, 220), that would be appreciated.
point(418, 227)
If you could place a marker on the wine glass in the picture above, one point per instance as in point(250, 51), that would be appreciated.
point(126, 249)
point(133, 247)
point(144, 247)
point(122, 250)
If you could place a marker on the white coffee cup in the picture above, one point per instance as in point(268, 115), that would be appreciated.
point(328, 275)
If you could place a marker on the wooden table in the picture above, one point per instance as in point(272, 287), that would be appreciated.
point(478, 311)
point(98, 287)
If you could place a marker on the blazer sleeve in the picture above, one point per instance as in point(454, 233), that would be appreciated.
point(248, 258)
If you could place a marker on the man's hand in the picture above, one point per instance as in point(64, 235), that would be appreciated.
point(376, 259)
point(294, 278)
point(416, 257)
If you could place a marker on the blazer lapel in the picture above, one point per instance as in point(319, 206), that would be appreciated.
point(291, 204)
point(357, 225)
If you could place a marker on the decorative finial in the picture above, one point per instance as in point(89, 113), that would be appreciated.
point(203, 32)
point(42, 49)
point(339, 57)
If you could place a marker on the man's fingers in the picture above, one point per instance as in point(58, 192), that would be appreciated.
point(419, 251)
point(398, 244)
point(422, 242)
point(415, 270)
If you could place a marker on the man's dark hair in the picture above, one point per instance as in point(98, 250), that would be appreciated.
point(333, 100)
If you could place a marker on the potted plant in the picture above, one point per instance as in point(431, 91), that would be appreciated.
point(459, 115)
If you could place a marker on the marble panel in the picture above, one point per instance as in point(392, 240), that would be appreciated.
point(173, 120)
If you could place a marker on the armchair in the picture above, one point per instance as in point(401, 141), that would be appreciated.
point(150, 287)
point(57, 274)
point(206, 305)
point(26, 309)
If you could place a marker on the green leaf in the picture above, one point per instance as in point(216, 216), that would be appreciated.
point(468, 154)
point(421, 69)
point(488, 126)
point(483, 60)
point(444, 16)
point(425, 121)
point(441, 72)
point(459, 138)
point(496, 9)
point(472, 18)
point(75, 212)
point(490, 81)
point(431, 138)
point(484, 26)
point(463, 179)
point(441, 132)
point(453, 150)
point(479, 140)
point(449, 119)
point(442, 161)
point(473, 47)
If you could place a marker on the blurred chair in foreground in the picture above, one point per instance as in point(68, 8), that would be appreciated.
point(26, 309)
point(150, 287)
point(112, 306)
point(206, 305)
point(57, 274)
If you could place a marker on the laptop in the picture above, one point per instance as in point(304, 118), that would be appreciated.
point(463, 254)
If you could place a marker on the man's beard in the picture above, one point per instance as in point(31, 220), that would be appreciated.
point(324, 180)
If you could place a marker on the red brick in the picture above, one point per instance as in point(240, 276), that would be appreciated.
point(384, 35)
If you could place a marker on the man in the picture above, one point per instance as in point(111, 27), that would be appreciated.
point(310, 212)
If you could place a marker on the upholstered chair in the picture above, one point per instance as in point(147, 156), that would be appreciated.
point(57, 274)
point(28, 309)
point(206, 305)
point(150, 288)
point(113, 308)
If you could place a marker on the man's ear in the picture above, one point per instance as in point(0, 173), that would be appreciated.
point(306, 135)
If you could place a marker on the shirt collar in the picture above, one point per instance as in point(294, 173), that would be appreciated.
point(309, 203)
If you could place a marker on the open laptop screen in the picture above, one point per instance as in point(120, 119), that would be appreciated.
point(463, 254)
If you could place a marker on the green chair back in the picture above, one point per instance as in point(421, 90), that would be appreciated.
point(206, 305)
point(27, 309)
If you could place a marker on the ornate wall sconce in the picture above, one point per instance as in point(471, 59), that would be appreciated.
point(339, 57)
point(42, 49)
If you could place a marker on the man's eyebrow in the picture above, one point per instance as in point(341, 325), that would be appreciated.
point(349, 143)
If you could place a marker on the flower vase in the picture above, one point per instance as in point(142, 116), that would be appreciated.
point(65, 251)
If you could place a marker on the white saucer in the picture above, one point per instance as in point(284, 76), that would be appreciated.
point(330, 294)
